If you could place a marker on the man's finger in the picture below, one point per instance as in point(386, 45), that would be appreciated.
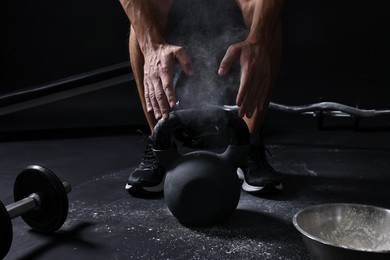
point(231, 55)
point(254, 94)
point(245, 81)
point(161, 98)
point(149, 107)
point(169, 93)
point(184, 61)
point(167, 85)
point(263, 98)
point(153, 100)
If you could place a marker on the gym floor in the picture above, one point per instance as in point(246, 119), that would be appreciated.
point(338, 164)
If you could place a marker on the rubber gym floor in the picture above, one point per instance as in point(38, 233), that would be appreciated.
point(337, 164)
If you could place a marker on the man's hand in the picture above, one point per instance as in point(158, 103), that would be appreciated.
point(255, 74)
point(160, 60)
point(148, 20)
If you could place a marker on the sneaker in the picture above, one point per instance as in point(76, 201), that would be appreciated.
point(148, 177)
point(257, 174)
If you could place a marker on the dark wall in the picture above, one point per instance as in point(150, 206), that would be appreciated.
point(48, 40)
point(337, 50)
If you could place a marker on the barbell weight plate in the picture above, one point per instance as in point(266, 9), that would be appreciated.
point(53, 210)
point(6, 231)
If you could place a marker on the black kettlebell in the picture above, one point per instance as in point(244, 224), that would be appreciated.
point(201, 187)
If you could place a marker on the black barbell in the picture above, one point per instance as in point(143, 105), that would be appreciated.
point(40, 199)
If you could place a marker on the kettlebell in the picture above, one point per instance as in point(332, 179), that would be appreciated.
point(201, 187)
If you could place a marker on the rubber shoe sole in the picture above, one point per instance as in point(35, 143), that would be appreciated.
point(267, 188)
point(145, 190)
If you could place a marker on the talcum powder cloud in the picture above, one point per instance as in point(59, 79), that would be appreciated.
point(205, 29)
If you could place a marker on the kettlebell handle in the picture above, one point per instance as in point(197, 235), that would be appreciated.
point(211, 116)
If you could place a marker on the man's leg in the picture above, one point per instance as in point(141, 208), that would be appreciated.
point(255, 123)
point(137, 65)
point(258, 175)
point(148, 177)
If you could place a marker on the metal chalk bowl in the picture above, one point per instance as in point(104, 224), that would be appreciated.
point(345, 231)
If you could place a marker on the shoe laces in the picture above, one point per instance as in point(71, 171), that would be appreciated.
point(148, 160)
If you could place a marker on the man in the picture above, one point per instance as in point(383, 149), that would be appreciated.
point(153, 61)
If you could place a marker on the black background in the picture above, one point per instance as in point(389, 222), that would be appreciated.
point(334, 50)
